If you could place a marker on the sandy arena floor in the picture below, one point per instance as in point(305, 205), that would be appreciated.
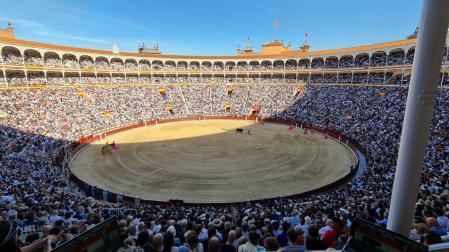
point(208, 162)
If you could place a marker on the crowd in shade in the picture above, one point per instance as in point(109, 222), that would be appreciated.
point(37, 200)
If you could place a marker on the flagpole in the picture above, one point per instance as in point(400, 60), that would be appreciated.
point(276, 29)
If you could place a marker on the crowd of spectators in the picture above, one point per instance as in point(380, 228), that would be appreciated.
point(53, 62)
point(12, 59)
point(18, 78)
point(35, 124)
point(70, 63)
point(87, 63)
point(35, 191)
point(378, 59)
point(116, 65)
point(361, 61)
point(33, 61)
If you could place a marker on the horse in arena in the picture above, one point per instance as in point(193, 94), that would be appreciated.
point(239, 130)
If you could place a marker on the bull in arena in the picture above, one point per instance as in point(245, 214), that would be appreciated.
point(239, 130)
point(106, 150)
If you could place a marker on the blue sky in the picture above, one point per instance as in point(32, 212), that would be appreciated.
point(210, 27)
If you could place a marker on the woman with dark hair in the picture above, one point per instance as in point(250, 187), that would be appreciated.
point(169, 241)
point(9, 239)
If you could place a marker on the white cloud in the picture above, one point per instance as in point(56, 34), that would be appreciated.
point(85, 39)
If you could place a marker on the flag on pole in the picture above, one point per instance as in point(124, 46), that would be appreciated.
point(307, 37)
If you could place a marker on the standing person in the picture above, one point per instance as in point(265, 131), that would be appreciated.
point(228, 246)
point(249, 131)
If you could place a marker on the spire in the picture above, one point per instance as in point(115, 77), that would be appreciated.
point(305, 46)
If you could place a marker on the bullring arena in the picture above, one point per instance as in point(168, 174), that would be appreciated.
point(208, 161)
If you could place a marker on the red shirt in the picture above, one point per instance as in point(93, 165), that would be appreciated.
point(330, 236)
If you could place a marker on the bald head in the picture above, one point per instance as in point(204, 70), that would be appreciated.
point(431, 221)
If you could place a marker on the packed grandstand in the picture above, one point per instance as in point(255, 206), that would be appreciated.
point(53, 96)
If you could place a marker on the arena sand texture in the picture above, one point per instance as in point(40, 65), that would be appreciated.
point(208, 162)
